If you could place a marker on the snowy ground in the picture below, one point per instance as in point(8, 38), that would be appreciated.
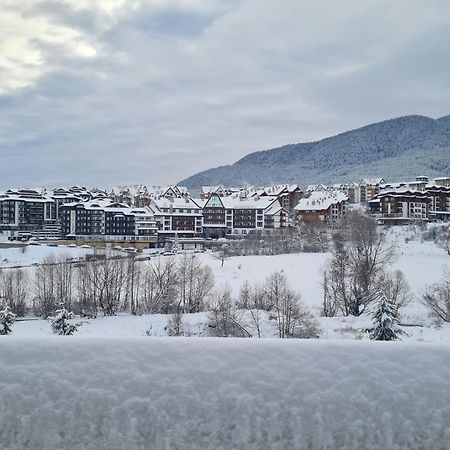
point(117, 385)
point(195, 325)
point(20, 255)
point(422, 263)
point(179, 393)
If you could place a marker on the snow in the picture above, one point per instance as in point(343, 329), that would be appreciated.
point(115, 385)
point(423, 263)
point(122, 325)
point(26, 255)
point(176, 393)
point(301, 269)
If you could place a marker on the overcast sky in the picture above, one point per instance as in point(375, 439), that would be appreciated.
point(108, 92)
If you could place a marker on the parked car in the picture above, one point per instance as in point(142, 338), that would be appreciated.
point(143, 258)
point(95, 257)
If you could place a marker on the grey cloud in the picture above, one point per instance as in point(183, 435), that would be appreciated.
point(174, 90)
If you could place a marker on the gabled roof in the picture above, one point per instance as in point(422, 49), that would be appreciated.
point(373, 181)
point(316, 187)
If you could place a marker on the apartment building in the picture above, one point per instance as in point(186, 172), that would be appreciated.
point(25, 210)
point(106, 220)
point(240, 215)
point(322, 206)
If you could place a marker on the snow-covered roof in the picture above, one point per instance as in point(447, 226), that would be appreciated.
point(319, 201)
point(113, 207)
point(256, 202)
point(373, 181)
point(158, 191)
point(279, 188)
point(211, 189)
point(274, 208)
point(25, 195)
point(133, 190)
point(175, 203)
point(199, 201)
point(95, 204)
point(316, 187)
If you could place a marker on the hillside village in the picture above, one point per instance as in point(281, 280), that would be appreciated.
point(148, 217)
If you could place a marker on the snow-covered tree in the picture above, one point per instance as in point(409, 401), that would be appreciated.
point(176, 246)
point(60, 324)
point(174, 325)
point(7, 318)
point(385, 321)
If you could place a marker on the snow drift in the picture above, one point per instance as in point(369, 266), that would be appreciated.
point(174, 393)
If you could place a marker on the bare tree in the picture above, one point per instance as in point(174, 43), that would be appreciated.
point(437, 299)
point(195, 283)
point(64, 281)
point(111, 279)
point(86, 290)
point(132, 284)
point(330, 303)
point(223, 253)
point(222, 319)
point(14, 290)
point(443, 237)
point(395, 287)
point(160, 286)
point(292, 316)
point(315, 237)
point(245, 295)
point(252, 298)
point(357, 269)
point(45, 286)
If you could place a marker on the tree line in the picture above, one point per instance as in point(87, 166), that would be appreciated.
point(108, 286)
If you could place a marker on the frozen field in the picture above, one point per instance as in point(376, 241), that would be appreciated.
point(181, 393)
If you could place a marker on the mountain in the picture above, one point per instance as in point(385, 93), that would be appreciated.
point(396, 149)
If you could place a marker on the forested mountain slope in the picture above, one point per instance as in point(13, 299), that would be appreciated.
point(395, 149)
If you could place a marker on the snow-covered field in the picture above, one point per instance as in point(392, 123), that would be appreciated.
point(181, 393)
point(422, 263)
point(18, 255)
point(118, 383)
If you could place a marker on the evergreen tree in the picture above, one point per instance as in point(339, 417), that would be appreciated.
point(176, 247)
point(7, 318)
point(60, 323)
point(385, 321)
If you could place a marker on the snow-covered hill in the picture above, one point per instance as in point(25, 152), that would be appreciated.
point(395, 149)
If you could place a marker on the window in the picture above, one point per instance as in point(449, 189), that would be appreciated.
point(214, 202)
